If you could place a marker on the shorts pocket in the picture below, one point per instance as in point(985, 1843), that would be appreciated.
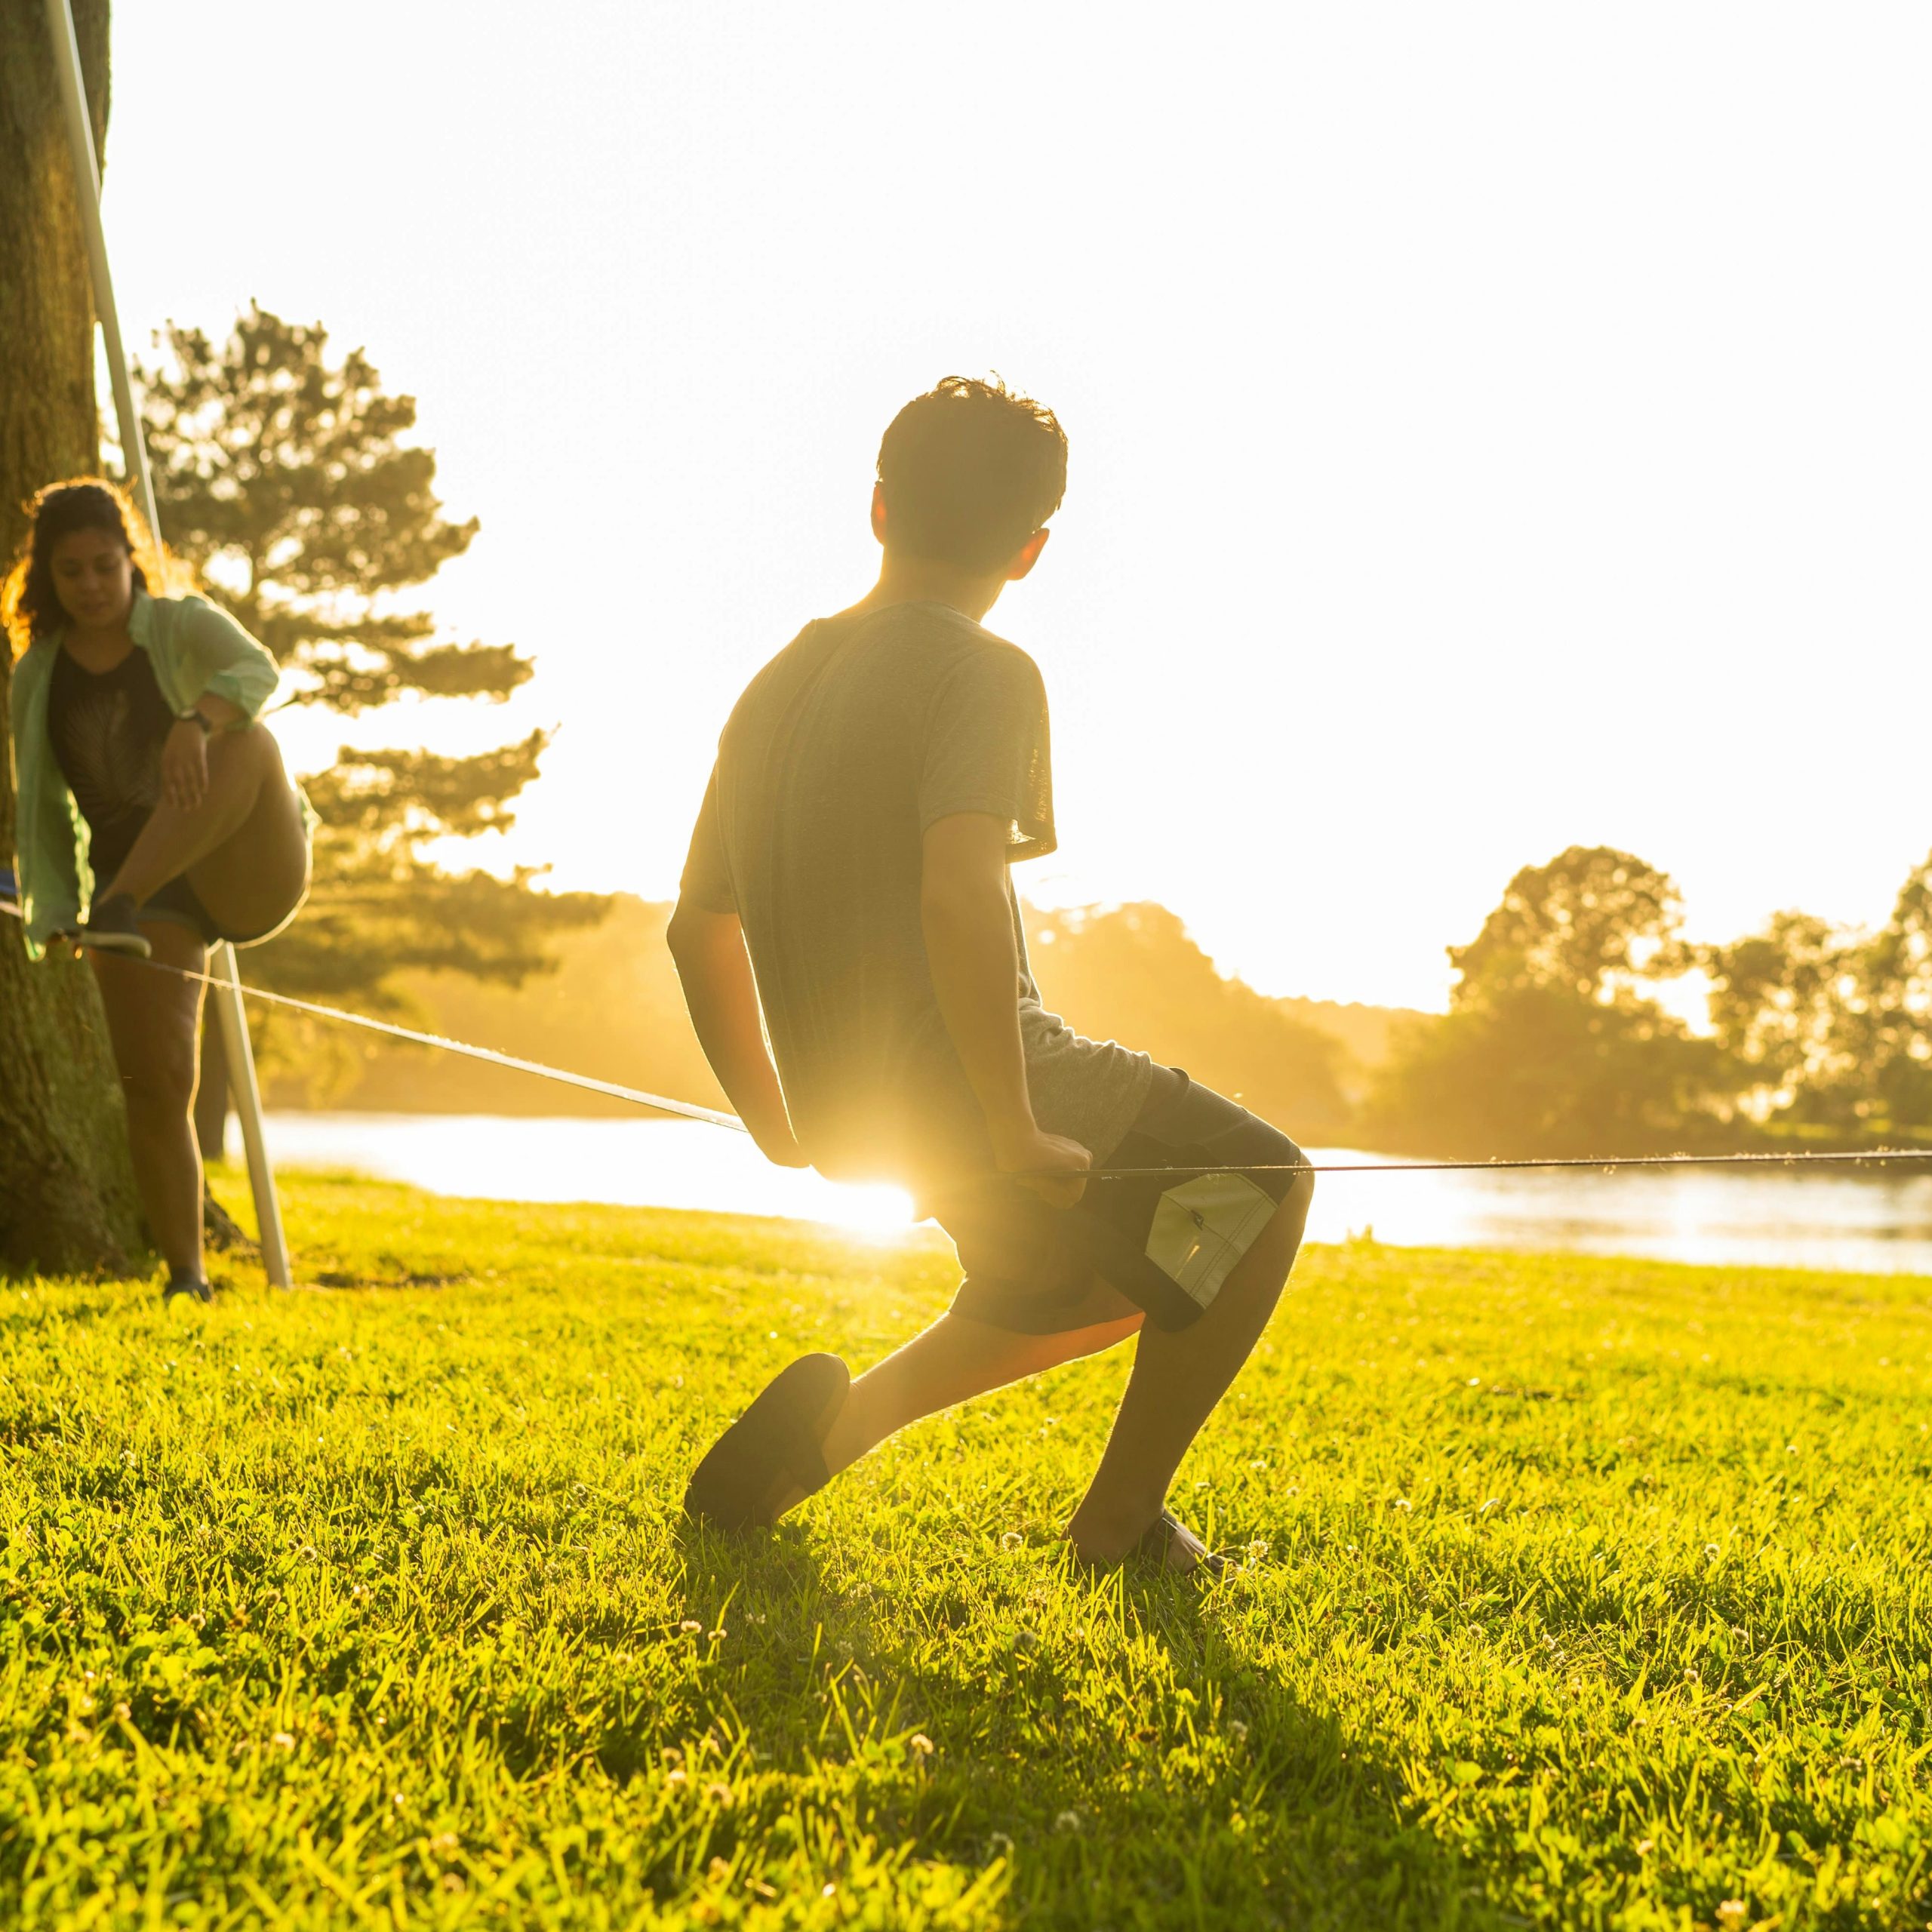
point(1202, 1227)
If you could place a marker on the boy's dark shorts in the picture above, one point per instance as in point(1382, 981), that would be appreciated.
point(1164, 1244)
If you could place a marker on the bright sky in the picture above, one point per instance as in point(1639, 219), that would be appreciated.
point(1493, 427)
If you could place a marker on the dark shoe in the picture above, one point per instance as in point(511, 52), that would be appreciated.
point(757, 1468)
point(1157, 1545)
point(180, 1282)
point(113, 925)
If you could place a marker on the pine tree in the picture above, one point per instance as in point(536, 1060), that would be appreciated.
point(285, 479)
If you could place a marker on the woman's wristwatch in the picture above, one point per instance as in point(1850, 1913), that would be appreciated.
point(194, 714)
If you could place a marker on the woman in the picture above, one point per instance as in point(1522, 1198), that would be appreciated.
point(155, 815)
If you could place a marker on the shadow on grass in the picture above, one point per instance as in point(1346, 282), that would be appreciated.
point(1134, 1763)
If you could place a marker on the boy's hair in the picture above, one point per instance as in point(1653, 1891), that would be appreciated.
point(969, 472)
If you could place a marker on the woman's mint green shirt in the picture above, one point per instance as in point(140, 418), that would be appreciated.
point(194, 648)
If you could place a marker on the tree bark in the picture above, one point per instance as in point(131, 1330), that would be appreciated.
point(67, 1199)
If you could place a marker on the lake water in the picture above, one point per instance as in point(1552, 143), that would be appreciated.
point(1872, 1221)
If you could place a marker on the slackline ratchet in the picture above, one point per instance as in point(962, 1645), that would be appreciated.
point(689, 1110)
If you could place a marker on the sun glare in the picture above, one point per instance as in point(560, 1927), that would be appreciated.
point(884, 1213)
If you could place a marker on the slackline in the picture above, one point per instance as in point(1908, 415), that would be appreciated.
point(689, 1110)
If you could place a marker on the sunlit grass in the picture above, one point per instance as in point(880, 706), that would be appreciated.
point(1578, 1593)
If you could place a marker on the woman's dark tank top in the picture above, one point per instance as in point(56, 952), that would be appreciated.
point(107, 731)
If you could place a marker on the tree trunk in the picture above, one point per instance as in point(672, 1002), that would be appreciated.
point(67, 1199)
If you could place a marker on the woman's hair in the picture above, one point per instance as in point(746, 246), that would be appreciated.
point(29, 607)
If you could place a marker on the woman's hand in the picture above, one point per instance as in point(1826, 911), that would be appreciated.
point(184, 765)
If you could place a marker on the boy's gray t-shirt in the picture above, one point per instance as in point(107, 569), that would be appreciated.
point(860, 734)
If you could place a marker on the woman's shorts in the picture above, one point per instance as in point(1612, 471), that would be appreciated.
point(1162, 1243)
point(177, 903)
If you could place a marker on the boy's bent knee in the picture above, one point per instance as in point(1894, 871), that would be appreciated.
point(1281, 1240)
point(1292, 1212)
point(1293, 1155)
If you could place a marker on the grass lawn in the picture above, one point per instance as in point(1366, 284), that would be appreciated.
point(1578, 1593)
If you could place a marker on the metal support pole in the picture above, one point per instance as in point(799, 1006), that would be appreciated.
point(232, 1018)
point(87, 193)
point(228, 1012)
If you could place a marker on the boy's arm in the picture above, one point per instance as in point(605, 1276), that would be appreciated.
point(967, 920)
point(715, 971)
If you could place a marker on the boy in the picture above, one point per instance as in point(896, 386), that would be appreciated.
point(847, 895)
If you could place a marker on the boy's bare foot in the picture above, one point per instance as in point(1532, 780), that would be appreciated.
point(1166, 1543)
point(1170, 1544)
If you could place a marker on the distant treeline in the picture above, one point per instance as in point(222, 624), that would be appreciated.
point(1564, 1034)
point(1559, 1040)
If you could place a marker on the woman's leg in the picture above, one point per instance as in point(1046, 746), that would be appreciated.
point(154, 1021)
point(242, 847)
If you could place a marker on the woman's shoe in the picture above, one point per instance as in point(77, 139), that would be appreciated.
point(770, 1456)
point(113, 925)
point(181, 1282)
